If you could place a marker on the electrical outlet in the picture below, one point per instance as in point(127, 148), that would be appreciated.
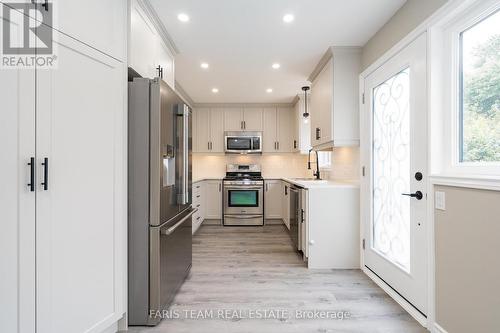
point(440, 200)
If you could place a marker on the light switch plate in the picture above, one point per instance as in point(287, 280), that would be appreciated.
point(440, 200)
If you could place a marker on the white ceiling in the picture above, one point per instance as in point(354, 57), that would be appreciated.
point(241, 39)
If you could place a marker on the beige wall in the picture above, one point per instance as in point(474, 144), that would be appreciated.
point(407, 18)
point(467, 261)
point(345, 165)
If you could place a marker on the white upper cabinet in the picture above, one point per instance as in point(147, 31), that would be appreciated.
point(278, 130)
point(270, 125)
point(216, 130)
point(142, 40)
point(252, 119)
point(233, 119)
point(147, 53)
point(93, 22)
point(286, 129)
point(334, 99)
point(239, 119)
point(165, 61)
point(201, 130)
point(208, 130)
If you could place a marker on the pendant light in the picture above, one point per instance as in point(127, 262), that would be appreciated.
point(306, 111)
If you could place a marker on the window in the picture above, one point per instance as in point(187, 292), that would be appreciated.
point(479, 94)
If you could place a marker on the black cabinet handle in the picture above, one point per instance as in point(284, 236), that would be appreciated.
point(160, 71)
point(45, 182)
point(294, 144)
point(301, 216)
point(318, 133)
point(418, 195)
point(32, 174)
point(46, 5)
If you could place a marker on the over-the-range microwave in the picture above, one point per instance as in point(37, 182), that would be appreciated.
point(243, 142)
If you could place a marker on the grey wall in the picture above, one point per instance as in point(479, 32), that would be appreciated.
point(467, 235)
point(407, 18)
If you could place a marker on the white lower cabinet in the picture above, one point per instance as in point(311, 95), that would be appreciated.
point(198, 203)
point(273, 201)
point(207, 198)
point(285, 199)
point(332, 227)
point(72, 218)
point(213, 199)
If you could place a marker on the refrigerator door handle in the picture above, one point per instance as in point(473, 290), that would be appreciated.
point(185, 154)
point(170, 230)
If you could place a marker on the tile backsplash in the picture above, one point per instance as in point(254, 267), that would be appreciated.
point(345, 164)
point(273, 165)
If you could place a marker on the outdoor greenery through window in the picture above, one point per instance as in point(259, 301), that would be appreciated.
point(480, 91)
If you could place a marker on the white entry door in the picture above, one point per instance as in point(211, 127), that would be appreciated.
point(395, 142)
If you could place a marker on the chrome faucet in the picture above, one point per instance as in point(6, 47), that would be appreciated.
point(315, 174)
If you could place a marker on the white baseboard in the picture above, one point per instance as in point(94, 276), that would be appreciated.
point(422, 320)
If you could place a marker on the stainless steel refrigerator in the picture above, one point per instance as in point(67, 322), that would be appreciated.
point(159, 198)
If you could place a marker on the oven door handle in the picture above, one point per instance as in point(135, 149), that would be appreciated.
point(243, 187)
point(244, 217)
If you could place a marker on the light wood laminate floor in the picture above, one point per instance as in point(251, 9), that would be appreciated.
point(254, 269)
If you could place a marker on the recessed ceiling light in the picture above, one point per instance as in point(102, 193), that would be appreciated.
point(288, 18)
point(269, 90)
point(183, 17)
point(215, 90)
point(276, 66)
point(204, 65)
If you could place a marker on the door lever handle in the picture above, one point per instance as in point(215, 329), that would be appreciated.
point(418, 195)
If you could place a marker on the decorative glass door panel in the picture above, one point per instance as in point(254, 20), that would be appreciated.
point(394, 190)
point(391, 169)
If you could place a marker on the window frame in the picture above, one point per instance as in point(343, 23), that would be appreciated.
point(452, 104)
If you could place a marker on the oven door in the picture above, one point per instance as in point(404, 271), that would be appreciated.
point(243, 200)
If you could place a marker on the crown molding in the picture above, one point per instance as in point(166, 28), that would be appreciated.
point(242, 105)
point(160, 28)
point(328, 55)
point(296, 99)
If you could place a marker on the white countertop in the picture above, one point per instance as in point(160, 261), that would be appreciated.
point(310, 184)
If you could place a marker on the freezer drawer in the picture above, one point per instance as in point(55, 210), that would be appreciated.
point(170, 261)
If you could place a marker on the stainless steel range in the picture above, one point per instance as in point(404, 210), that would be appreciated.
point(243, 195)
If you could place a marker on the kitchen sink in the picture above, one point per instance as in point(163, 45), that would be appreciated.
point(310, 180)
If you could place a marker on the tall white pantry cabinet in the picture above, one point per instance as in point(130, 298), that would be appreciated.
point(63, 178)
